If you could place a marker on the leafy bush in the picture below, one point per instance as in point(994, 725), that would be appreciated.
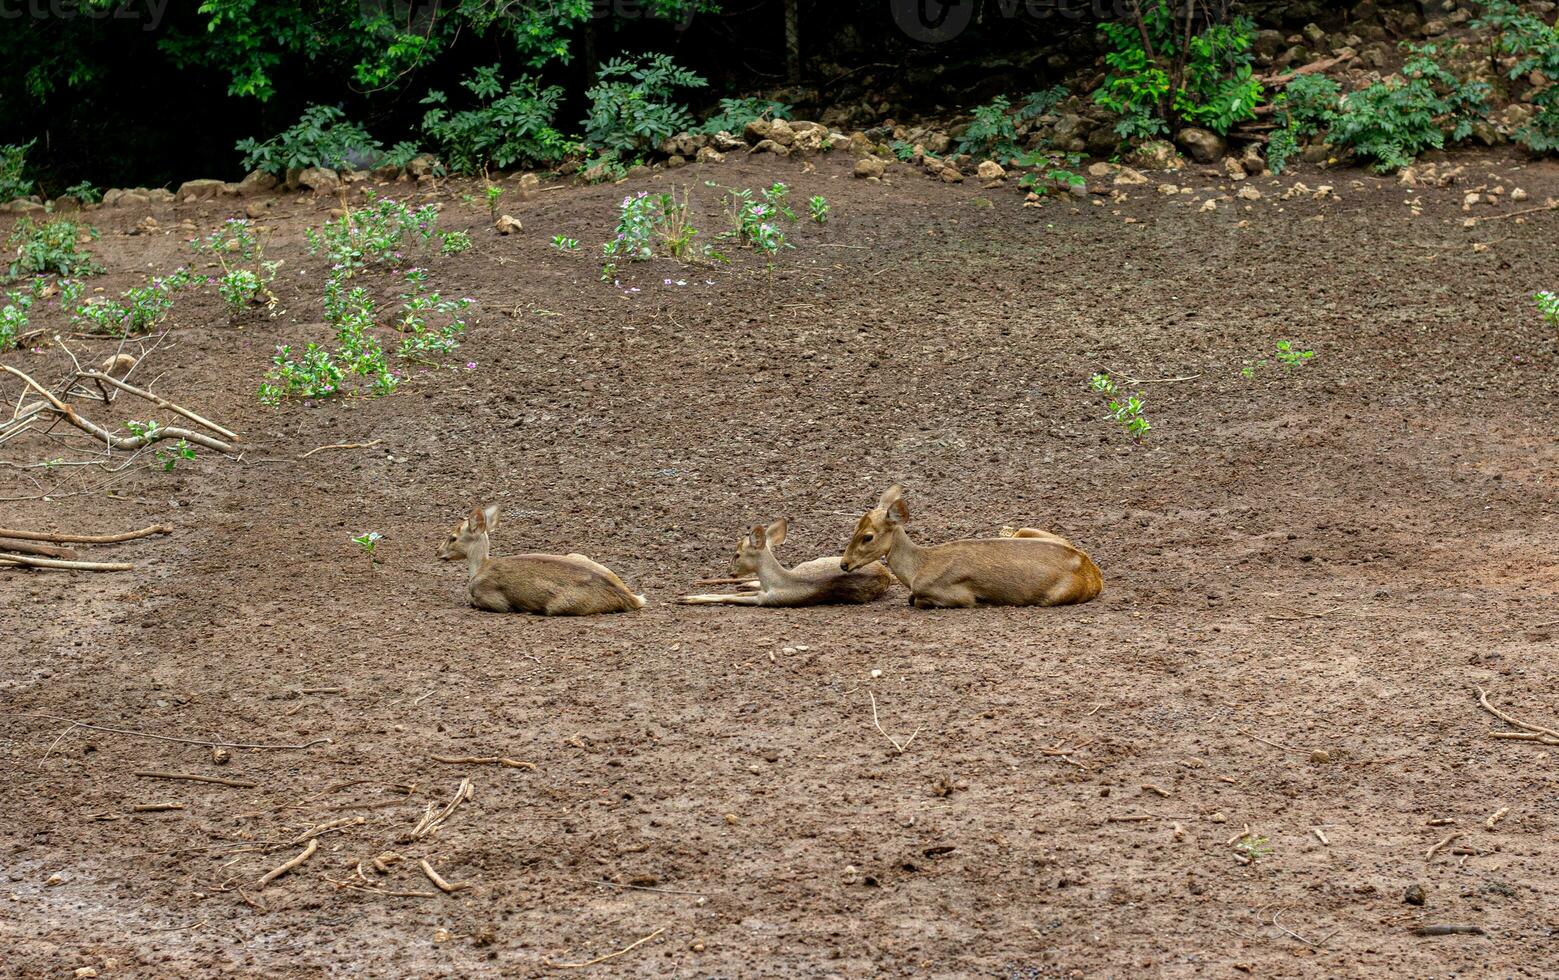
point(632, 107)
point(817, 207)
point(647, 222)
point(1535, 46)
point(992, 133)
point(756, 219)
point(1306, 107)
point(375, 234)
point(136, 311)
point(1036, 104)
point(1050, 170)
point(508, 127)
point(84, 192)
point(323, 137)
point(1547, 304)
point(316, 375)
point(13, 161)
point(735, 114)
point(1392, 121)
point(1157, 87)
point(13, 318)
point(50, 247)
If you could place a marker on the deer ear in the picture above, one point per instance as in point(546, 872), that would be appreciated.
point(898, 513)
point(490, 515)
point(777, 531)
point(890, 496)
point(477, 519)
point(758, 535)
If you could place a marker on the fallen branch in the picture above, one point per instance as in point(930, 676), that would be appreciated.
point(65, 411)
point(1496, 817)
point(145, 532)
point(1278, 80)
point(155, 807)
point(446, 887)
point(609, 956)
point(1529, 732)
point(289, 865)
point(194, 777)
point(73, 566)
point(434, 817)
point(326, 828)
point(1552, 205)
point(1429, 854)
point(474, 760)
point(41, 550)
point(181, 741)
point(1449, 929)
point(341, 445)
point(162, 403)
point(876, 721)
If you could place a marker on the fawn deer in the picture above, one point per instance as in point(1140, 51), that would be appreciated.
point(821, 581)
point(550, 585)
point(1023, 568)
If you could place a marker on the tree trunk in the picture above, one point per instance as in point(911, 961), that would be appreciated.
point(793, 41)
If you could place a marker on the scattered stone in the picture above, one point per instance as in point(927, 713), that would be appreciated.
point(1234, 168)
point(54, 879)
point(1324, 193)
point(950, 175)
point(133, 199)
point(1252, 162)
point(203, 189)
point(770, 146)
point(86, 971)
point(386, 172)
point(757, 130)
point(254, 209)
point(1100, 169)
point(1128, 176)
point(1414, 894)
point(725, 142)
point(1209, 205)
point(421, 165)
point(870, 167)
point(530, 186)
point(675, 161)
point(781, 133)
point(1469, 200)
point(990, 170)
point(637, 172)
point(708, 154)
point(320, 180)
point(1167, 189)
point(1156, 155)
point(507, 224)
point(1518, 195)
point(1203, 145)
point(1320, 757)
point(146, 226)
point(1248, 193)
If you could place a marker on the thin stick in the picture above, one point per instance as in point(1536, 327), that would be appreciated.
point(474, 760)
point(1547, 736)
point(118, 442)
point(1263, 741)
point(1550, 206)
point(890, 738)
point(194, 777)
point(1429, 854)
point(41, 550)
point(1315, 944)
point(326, 828)
point(1320, 836)
point(155, 807)
point(1158, 381)
point(184, 741)
point(438, 882)
point(341, 445)
point(1448, 930)
point(162, 403)
point(1130, 818)
point(144, 532)
point(609, 956)
point(69, 566)
point(1496, 817)
point(287, 866)
point(1315, 615)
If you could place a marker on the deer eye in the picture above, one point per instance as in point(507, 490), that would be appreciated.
point(866, 537)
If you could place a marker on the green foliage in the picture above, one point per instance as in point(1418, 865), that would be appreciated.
point(369, 541)
point(13, 163)
point(245, 278)
point(1036, 104)
point(646, 223)
point(430, 325)
point(167, 457)
point(902, 150)
point(632, 107)
point(1051, 170)
point(817, 208)
point(323, 137)
point(1535, 46)
point(1308, 106)
point(756, 220)
point(1207, 81)
point(50, 247)
point(1392, 121)
point(1547, 304)
point(84, 192)
point(735, 114)
point(507, 127)
point(454, 242)
point(992, 132)
point(316, 375)
point(565, 244)
point(1124, 409)
point(1253, 847)
point(13, 318)
point(376, 234)
point(1290, 356)
point(137, 310)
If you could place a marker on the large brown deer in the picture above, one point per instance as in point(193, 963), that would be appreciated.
point(549, 585)
point(818, 582)
point(1028, 568)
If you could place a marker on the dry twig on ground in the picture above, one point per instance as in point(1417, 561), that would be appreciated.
point(1528, 732)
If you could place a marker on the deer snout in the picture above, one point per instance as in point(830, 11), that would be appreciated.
point(844, 565)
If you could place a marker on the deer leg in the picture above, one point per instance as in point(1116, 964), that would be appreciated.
point(720, 600)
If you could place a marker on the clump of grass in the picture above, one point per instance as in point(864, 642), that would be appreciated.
point(1125, 409)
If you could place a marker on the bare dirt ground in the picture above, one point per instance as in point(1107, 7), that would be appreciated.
point(1308, 573)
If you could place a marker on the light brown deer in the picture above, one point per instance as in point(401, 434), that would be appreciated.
point(1027, 568)
point(549, 585)
point(818, 582)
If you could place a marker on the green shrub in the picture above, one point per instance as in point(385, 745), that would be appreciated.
point(1547, 304)
point(13, 161)
point(1535, 46)
point(992, 132)
point(1153, 89)
point(50, 247)
point(632, 107)
point(323, 137)
point(1306, 107)
point(507, 127)
point(13, 318)
point(735, 114)
point(1392, 121)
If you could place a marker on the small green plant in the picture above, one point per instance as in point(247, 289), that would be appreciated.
point(756, 219)
point(1307, 107)
point(647, 223)
point(13, 318)
point(904, 151)
point(1036, 104)
point(167, 456)
point(1253, 847)
point(246, 278)
point(315, 375)
point(376, 234)
point(13, 163)
point(84, 192)
point(735, 114)
point(1547, 304)
point(494, 192)
point(509, 126)
point(323, 137)
point(992, 133)
point(1391, 122)
point(136, 311)
point(430, 325)
point(1124, 409)
point(817, 207)
point(369, 542)
point(1290, 356)
point(238, 289)
point(563, 244)
point(454, 242)
point(52, 247)
point(1050, 171)
point(632, 107)
point(1534, 47)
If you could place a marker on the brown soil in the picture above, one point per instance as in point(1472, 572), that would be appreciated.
point(1307, 573)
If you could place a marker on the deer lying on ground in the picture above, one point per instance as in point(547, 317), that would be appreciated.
point(818, 582)
point(549, 585)
point(1028, 568)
